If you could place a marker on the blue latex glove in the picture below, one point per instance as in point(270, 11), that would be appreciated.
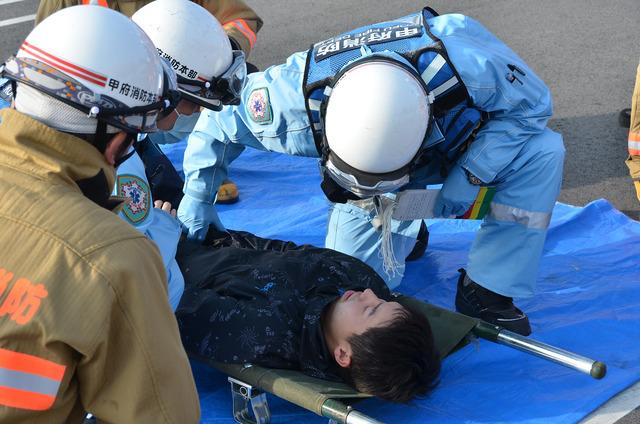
point(457, 194)
point(196, 216)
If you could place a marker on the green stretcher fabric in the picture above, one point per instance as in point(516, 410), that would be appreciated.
point(450, 330)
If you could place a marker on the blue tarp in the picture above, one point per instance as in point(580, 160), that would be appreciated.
point(588, 302)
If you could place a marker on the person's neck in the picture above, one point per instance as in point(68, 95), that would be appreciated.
point(328, 326)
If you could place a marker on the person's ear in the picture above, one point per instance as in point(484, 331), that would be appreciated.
point(116, 147)
point(342, 355)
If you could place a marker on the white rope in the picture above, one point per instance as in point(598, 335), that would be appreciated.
point(384, 210)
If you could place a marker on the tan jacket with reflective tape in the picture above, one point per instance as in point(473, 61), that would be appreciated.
point(84, 319)
point(239, 20)
point(633, 162)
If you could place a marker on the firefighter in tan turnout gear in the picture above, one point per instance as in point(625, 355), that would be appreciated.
point(239, 21)
point(85, 325)
point(633, 161)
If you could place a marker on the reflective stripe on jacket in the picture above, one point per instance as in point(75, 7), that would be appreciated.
point(239, 20)
point(85, 324)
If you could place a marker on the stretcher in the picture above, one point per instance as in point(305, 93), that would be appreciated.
point(588, 299)
point(335, 401)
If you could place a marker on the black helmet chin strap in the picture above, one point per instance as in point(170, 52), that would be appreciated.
point(102, 138)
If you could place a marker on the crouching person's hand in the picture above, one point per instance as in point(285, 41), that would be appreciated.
point(457, 194)
point(196, 216)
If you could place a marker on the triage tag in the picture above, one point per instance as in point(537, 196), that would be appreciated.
point(415, 204)
point(418, 204)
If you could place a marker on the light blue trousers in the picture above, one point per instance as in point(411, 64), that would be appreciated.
point(506, 252)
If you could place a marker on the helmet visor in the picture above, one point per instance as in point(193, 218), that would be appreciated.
point(351, 183)
point(64, 88)
point(223, 90)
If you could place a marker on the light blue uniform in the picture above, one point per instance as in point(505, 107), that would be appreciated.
point(156, 224)
point(513, 151)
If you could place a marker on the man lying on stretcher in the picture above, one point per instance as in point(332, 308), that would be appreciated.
point(278, 305)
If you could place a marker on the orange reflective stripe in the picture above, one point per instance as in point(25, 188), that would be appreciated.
point(634, 143)
point(242, 26)
point(22, 362)
point(248, 31)
point(99, 2)
point(25, 400)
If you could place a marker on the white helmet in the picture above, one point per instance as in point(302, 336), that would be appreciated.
point(376, 118)
point(89, 69)
point(191, 39)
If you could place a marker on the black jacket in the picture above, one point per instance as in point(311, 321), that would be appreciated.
point(251, 300)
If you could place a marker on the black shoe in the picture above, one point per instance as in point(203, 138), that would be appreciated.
point(475, 301)
point(422, 241)
point(624, 118)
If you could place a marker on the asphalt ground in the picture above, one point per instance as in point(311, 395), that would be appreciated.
point(586, 50)
point(12, 35)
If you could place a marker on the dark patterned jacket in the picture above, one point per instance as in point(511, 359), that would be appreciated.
point(251, 300)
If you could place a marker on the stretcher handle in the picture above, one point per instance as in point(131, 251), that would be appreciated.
point(338, 412)
point(494, 333)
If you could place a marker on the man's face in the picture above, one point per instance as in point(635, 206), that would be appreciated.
point(185, 107)
point(359, 311)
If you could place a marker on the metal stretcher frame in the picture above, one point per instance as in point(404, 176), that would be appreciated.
point(334, 400)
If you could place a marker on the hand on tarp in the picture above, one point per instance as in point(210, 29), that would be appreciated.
point(196, 216)
point(457, 194)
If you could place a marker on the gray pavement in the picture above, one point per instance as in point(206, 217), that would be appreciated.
point(586, 50)
point(12, 35)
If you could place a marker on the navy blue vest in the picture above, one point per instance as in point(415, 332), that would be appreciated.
point(409, 37)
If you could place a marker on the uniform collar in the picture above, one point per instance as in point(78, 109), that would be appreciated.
point(316, 359)
point(40, 151)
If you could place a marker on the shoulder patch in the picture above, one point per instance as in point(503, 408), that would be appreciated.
point(137, 191)
point(259, 106)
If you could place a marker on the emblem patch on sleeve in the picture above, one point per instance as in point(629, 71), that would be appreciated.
point(137, 190)
point(259, 106)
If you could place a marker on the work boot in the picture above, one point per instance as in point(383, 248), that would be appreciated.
point(422, 241)
point(624, 118)
point(227, 193)
point(475, 301)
